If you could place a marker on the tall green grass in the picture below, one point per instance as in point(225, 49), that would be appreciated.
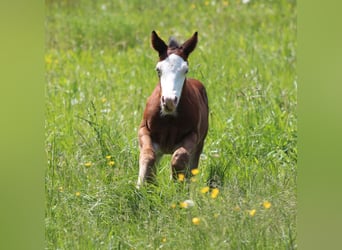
point(99, 72)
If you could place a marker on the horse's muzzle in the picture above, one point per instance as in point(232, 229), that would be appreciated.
point(169, 104)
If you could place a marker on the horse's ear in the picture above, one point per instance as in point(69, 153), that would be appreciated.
point(189, 45)
point(158, 44)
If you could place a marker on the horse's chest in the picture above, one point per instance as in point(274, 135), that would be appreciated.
point(168, 134)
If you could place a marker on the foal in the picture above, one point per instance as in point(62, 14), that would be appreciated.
point(175, 119)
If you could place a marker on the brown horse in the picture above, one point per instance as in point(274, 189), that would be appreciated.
point(175, 119)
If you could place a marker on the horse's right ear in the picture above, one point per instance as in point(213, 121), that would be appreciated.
point(158, 44)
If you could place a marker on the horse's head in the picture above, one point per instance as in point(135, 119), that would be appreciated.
point(172, 68)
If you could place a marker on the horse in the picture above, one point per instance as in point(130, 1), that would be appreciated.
point(175, 119)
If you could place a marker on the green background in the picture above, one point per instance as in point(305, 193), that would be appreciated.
point(22, 124)
point(319, 124)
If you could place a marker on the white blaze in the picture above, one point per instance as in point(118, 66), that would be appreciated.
point(172, 73)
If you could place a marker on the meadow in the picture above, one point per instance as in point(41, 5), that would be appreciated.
point(99, 73)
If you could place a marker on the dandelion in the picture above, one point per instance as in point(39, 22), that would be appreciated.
point(88, 164)
point(173, 205)
point(60, 189)
point(77, 193)
point(187, 204)
point(193, 6)
point(214, 193)
point(267, 204)
point(206, 3)
point(195, 171)
point(103, 99)
point(108, 157)
point(181, 177)
point(252, 212)
point(163, 240)
point(204, 190)
point(196, 221)
point(183, 204)
point(111, 163)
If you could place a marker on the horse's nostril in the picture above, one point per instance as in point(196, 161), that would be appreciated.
point(169, 102)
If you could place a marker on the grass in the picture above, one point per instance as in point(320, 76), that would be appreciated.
point(99, 72)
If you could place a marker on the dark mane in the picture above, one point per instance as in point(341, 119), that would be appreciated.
point(173, 44)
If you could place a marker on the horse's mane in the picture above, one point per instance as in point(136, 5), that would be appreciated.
point(173, 44)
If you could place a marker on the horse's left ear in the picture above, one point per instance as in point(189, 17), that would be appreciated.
point(189, 45)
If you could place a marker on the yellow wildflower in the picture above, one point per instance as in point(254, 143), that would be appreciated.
point(214, 193)
point(108, 157)
point(88, 164)
point(252, 212)
point(77, 193)
point(186, 204)
point(60, 189)
point(193, 6)
point(205, 190)
point(196, 221)
point(183, 204)
point(206, 3)
point(103, 99)
point(181, 177)
point(267, 204)
point(111, 163)
point(193, 179)
point(195, 171)
point(163, 240)
point(173, 205)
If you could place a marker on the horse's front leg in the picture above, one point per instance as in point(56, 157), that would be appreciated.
point(147, 157)
point(183, 155)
